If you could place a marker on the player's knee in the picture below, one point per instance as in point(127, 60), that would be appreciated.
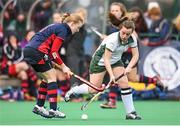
point(133, 79)
point(91, 90)
point(22, 75)
point(123, 84)
point(50, 78)
point(22, 66)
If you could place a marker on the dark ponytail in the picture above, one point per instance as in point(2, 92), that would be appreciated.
point(116, 22)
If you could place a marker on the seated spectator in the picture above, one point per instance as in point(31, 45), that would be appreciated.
point(1, 43)
point(146, 16)
point(29, 35)
point(176, 28)
point(20, 25)
point(10, 16)
point(159, 30)
point(42, 14)
point(13, 65)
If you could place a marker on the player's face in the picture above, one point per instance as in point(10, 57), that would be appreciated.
point(30, 35)
point(75, 27)
point(116, 11)
point(155, 17)
point(57, 18)
point(13, 41)
point(125, 33)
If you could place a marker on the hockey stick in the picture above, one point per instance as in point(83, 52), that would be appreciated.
point(84, 106)
point(94, 29)
point(99, 89)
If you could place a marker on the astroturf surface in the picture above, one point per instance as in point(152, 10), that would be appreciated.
point(152, 112)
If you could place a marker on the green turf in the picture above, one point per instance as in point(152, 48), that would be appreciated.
point(153, 113)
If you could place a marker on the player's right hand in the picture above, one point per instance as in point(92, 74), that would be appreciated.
point(67, 71)
point(112, 79)
point(103, 36)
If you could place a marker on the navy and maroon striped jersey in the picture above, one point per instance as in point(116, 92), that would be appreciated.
point(43, 40)
point(49, 40)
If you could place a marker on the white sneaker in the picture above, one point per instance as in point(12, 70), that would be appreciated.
point(41, 111)
point(56, 114)
point(69, 94)
point(133, 116)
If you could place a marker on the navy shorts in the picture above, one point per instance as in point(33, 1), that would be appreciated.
point(38, 60)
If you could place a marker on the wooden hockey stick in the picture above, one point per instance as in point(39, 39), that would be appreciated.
point(99, 89)
point(84, 106)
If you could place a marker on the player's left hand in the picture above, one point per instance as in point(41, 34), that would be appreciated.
point(127, 70)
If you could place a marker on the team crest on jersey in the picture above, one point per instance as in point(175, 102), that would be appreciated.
point(164, 61)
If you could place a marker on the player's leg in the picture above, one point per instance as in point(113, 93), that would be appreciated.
point(50, 78)
point(126, 94)
point(111, 99)
point(133, 76)
point(113, 92)
point(49, 87)
point(25, 85)
point(39, 108)
point(95, 78)
point(36, 60)
point(63, 82)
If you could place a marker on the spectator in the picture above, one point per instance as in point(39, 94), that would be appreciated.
point(13, 65)
point(176, 27)
point(29, 35)
point(160, 28)
point(149, 7)
point(1, 42)
point(10, 15)
point(20, 25)
point(1, 32)
point(42, 14)
point(141, 26)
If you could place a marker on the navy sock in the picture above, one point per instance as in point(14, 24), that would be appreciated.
point(52, 94)
point(42, 92)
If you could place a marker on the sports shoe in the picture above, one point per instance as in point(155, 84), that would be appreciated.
point(28, 97)
point(159, 83)
point(41, 111)
point(69, 94)
point(56, 114)
point(133, 116)
point(108, 105)
point(157, 78)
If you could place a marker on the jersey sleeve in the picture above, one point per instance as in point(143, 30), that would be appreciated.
point(134, 44)
point(61, 35)
point(61, 32)
point(54, 53)
point(110, 43)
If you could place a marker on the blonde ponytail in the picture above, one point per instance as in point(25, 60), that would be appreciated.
point(75, 18)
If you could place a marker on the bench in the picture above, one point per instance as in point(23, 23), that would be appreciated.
point(6, 81)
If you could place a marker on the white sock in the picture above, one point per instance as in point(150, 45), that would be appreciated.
point(127, 99)
point(82, 89)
